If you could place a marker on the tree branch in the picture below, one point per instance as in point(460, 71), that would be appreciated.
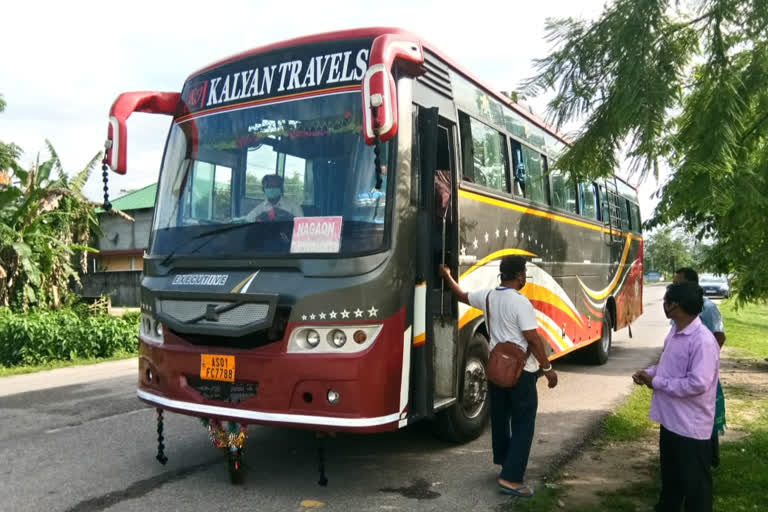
point(755, 126)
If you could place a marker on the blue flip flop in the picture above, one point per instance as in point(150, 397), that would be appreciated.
point(516, 492)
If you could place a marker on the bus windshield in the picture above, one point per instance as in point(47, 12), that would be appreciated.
point(293, 178)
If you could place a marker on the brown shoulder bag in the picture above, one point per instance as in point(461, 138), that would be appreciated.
point(507, 360)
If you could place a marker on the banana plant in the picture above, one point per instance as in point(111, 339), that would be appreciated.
point(45, 225)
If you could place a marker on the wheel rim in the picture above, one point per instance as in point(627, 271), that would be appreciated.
point(475, 391)
point(605, 339)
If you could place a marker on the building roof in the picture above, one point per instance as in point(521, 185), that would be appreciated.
point(136, 200)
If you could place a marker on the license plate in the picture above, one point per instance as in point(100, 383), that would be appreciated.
point(216, 367)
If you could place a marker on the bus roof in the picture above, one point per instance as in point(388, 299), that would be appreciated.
point(374, 32)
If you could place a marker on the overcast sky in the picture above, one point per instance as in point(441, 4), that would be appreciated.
point(64, 63)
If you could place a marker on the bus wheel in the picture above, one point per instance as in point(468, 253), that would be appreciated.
point(599, 350)
point(465, 420)
point(235, 466)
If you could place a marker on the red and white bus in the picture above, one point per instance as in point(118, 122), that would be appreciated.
point(308, 191)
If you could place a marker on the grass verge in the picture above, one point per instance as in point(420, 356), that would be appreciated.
point(741, 479)
point(21, 370)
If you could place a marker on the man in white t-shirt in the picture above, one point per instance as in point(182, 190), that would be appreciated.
point(513, 410)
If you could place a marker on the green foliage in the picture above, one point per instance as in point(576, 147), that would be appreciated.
point(668, 251)
point(45, 225)
point(8, 152)
point(746, 328)
point(630, 421)
point(43, 337)
point(680, 85)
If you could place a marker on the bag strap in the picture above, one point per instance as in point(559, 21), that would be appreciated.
point(488, 313)
point(488, 321)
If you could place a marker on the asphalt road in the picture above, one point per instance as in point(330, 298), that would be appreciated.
point(78, 440)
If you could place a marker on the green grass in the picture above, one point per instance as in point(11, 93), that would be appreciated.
point(742, 478)
point(630, 421)
point(545, 500)
point(20, 370)
point(746, 328)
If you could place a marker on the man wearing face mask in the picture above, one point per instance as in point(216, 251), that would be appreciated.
point(275, 206)
point(684, 384)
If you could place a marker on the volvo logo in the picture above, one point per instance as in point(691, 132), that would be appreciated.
point(211, 315)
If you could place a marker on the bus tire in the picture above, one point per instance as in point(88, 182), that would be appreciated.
point(466, 419)
point(599, 351)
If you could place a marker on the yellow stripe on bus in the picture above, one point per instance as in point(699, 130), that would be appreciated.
point(237, 288)
point(539, 213)
point(599, 295)
point(556, 335)
point(539, 293)
point(493, 256)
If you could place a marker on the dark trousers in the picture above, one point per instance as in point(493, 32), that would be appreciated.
point(686, 475)
point(513, 419)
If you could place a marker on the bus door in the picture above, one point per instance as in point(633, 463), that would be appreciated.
point(437, 244)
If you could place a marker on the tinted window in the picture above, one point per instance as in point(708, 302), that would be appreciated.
point(636, 220)
point(563, 192)
point(530, 176)
point(484, 154)
point(588, 200)
point(626, 224)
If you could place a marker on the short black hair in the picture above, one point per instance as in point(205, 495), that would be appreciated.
point(511, 266)
point(272, 177)
point(688, 295)
point(689, 274)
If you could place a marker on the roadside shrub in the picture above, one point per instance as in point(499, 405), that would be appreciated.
point(42, 337)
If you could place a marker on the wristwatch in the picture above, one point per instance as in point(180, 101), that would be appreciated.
point(549, 369)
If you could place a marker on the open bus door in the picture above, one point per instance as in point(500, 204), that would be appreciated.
point(448, 392)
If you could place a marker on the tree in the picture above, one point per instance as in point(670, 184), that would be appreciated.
point(45, 224)
point(8, 152)
point(682, 87)
point(666, 252)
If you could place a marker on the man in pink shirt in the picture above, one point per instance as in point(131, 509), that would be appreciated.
point(684, 384)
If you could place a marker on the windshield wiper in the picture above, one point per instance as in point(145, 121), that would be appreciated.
point(206, 234)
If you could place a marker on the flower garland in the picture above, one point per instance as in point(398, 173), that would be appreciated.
point(231, 437)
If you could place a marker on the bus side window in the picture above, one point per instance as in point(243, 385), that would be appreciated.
point(587, 199)
point(484, 154)
point(536, 184)
point(626, 216)
point(637, 224)
point(563, 191)
point(518, 169)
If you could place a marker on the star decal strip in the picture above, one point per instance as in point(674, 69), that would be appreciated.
point(344, 314)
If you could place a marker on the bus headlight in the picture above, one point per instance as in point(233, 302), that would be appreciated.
point(337, 338)
point(307, 339)
point(312, 338)
point(150, 329)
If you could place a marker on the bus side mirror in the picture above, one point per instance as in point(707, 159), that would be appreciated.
point(379, 94)
point(125, 105)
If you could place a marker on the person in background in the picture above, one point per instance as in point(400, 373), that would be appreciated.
point(710, 316)
point(684, 384)
point(513, 410)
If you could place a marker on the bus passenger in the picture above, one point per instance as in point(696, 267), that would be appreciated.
point(513, 410)
point(274, 205)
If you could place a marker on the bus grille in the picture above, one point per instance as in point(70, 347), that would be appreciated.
point(228, 314)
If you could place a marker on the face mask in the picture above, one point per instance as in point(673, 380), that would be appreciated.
point(273, 193)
